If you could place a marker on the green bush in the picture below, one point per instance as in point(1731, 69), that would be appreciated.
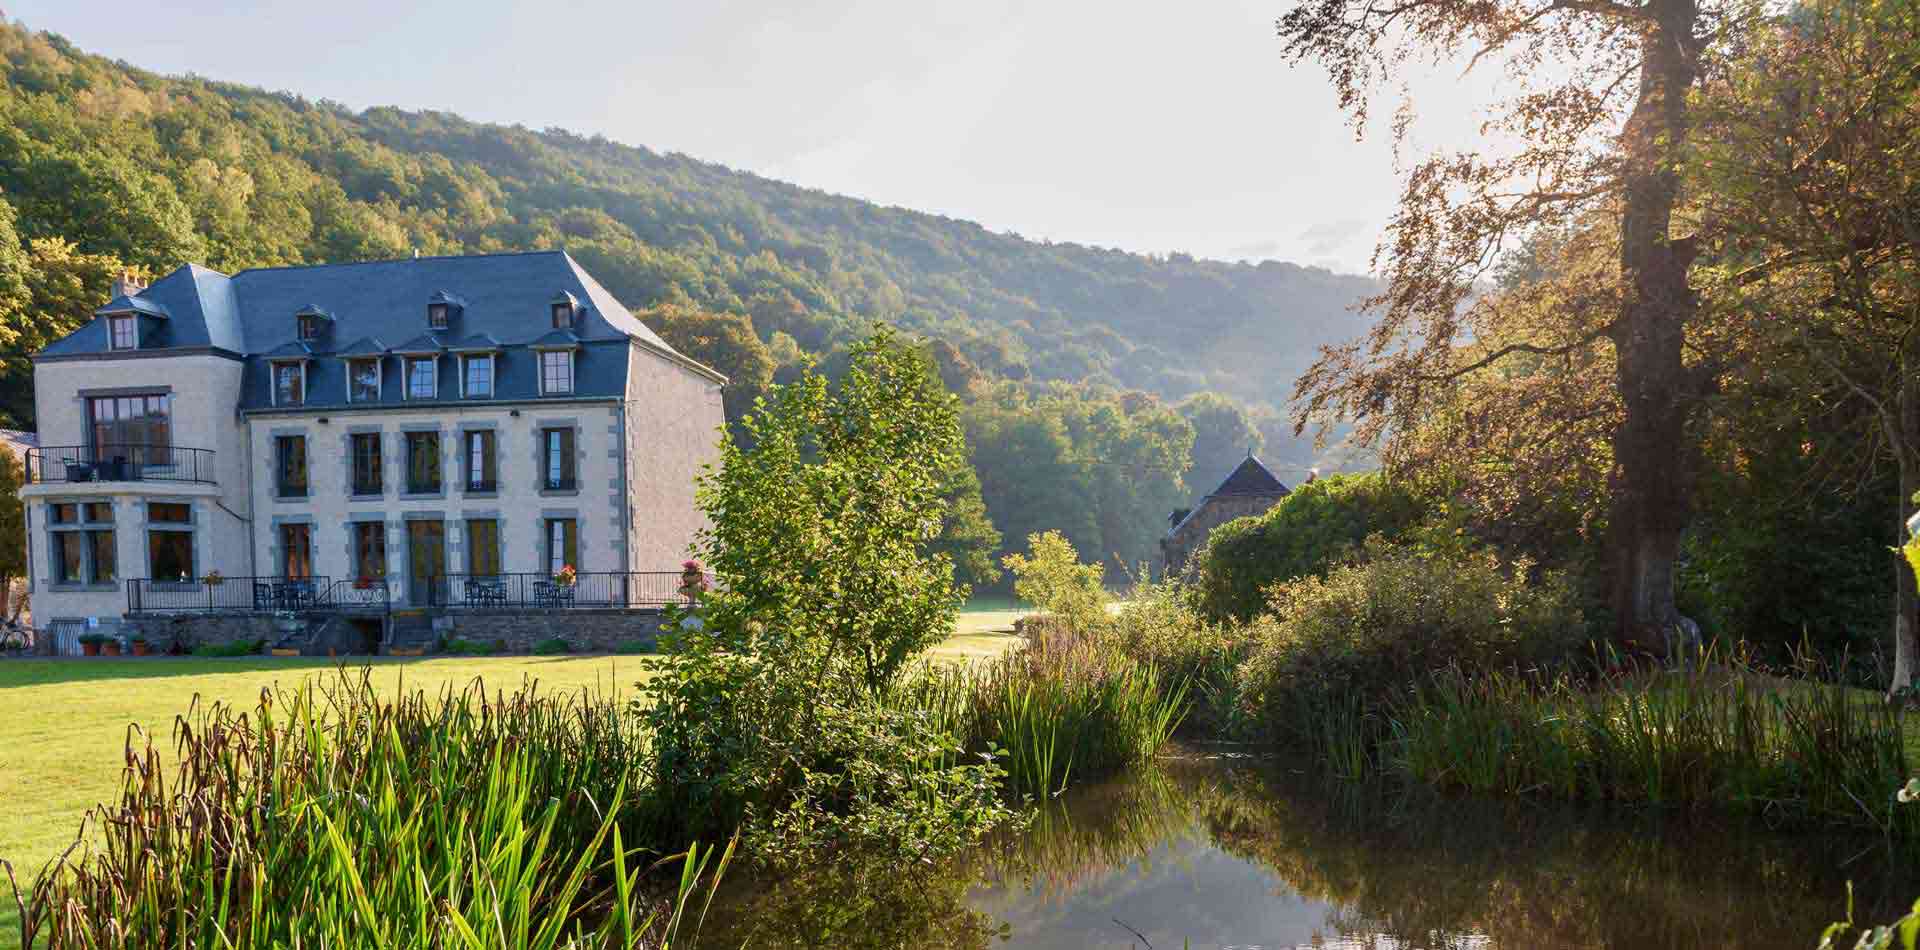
point(1159, 626)
point(633, 647)
point(461, 646)
point(552, 646)
point(1055, 581)
point(1369, 630)
point(230, 648)
point(1308, 531)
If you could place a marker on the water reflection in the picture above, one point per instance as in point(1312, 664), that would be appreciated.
point(1224, 853)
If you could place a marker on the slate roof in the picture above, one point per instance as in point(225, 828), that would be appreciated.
point(424, 343)
point(134, 304)
point(503, 299)
point(479, 342)
point(1251, 478)
point(556, 340)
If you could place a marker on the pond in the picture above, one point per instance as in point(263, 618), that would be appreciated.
point(1218, 851)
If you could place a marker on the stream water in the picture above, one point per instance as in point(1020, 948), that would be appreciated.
point(1210, 852)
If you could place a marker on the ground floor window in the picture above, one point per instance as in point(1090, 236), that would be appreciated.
point(82, 543)
point(483, 547)
point(563, 545)
point(170, 555)
point(370, 550)
point(296, 550)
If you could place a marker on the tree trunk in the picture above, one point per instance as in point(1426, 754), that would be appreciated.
point(1906, 637)
point(1652, 458)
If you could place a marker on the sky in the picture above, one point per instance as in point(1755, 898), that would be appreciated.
point(1153, 127)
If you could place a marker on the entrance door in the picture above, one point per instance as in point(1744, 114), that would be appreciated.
point(426, 559)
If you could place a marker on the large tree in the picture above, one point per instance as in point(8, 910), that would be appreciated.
point(1600, 120)
point(1809, 162)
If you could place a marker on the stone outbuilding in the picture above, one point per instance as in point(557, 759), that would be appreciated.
point(1249, 490)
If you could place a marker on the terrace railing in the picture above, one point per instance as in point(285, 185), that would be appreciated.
point(228, 595)
point(537, 591)
point(119, 462)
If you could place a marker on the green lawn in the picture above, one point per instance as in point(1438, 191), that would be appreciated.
point(64, 722)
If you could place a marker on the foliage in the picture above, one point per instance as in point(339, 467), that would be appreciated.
point(230, 648)
point(771, 715)
point(1801, 751)
point(1361, 634)
point(821, 528)
point(552, 646)
point(461, 646)
point(632, 647)
point(1303, 534)
point(13, 526)
point(464, 821)
point(1102, 468)
point(1159, 626)
point(1223, 434)
point(967, 535)
point(1902, 934)
point(1054, 580)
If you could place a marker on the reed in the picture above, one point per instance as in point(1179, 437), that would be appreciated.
point(1795, 750)
point(326, 816)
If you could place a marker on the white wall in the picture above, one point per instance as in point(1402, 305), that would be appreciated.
point(673, 423)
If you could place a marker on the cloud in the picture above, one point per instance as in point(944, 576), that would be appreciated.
point(1327, 237)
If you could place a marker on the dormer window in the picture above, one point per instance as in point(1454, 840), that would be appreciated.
point(122, 334)
point(563, 316)
point(437, 316)
point(363, 380)
point(290, 384)
point(310, 322)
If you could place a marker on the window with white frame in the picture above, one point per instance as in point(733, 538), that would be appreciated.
point(122, 334)
point(476, 377)
point(423, 377)
point(556, 372)
point(290, 383)
point(437, 316)
point(363, 380)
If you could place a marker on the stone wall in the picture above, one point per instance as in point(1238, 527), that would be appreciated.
point(586, 631)
point(163, 631)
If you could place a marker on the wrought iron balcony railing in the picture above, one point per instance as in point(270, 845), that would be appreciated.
point(119, 462)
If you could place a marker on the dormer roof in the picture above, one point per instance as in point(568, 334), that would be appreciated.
point(364, 347)
point(477, 343)
point(134, 304)
point(426, 344)
point(291, 350)
point(557, 340)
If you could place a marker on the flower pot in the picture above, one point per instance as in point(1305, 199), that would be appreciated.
point(140, 648)
point(89, 649)
point(110, 648)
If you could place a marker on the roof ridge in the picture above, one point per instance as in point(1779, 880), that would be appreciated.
point(401, 260)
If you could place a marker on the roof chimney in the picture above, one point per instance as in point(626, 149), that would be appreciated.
point(126, 285)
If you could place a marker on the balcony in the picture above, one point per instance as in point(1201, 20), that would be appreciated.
point(119, 462)
point(239, 595)
point(607, 590)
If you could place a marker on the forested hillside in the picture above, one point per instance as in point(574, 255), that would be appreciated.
point(105, 166)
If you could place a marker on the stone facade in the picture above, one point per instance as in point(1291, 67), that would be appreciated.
point(644, 421)
point(1249, 490)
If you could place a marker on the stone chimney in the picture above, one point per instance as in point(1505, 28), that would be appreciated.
point(126, 285)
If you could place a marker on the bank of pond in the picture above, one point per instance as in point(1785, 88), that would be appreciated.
point(1671, 811)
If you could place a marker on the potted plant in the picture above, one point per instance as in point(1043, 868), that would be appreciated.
point(90, 643)
point(565, 576)
point(109, 646)
point(138, 644)
point(363, 582)
point(693, 579)
point(212, 579)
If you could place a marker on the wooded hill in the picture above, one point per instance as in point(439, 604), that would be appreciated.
point(1102, 389)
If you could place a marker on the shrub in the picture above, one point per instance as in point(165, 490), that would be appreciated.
point(230, 648)
point(1370, 630)
point(552, 646)
point(1159, 626)
point(1308, 531)
point(633, 646)
point(1054, 580)
point(461, 646)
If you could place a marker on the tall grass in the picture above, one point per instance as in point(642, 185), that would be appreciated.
point(326, 816)
point(1793, 750)
point(1068, 707)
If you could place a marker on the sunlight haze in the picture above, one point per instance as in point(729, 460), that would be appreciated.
point(1117, 125)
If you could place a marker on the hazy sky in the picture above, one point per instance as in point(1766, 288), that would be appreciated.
point(1151, 127)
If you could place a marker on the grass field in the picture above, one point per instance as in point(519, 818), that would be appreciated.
point(64, 723)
